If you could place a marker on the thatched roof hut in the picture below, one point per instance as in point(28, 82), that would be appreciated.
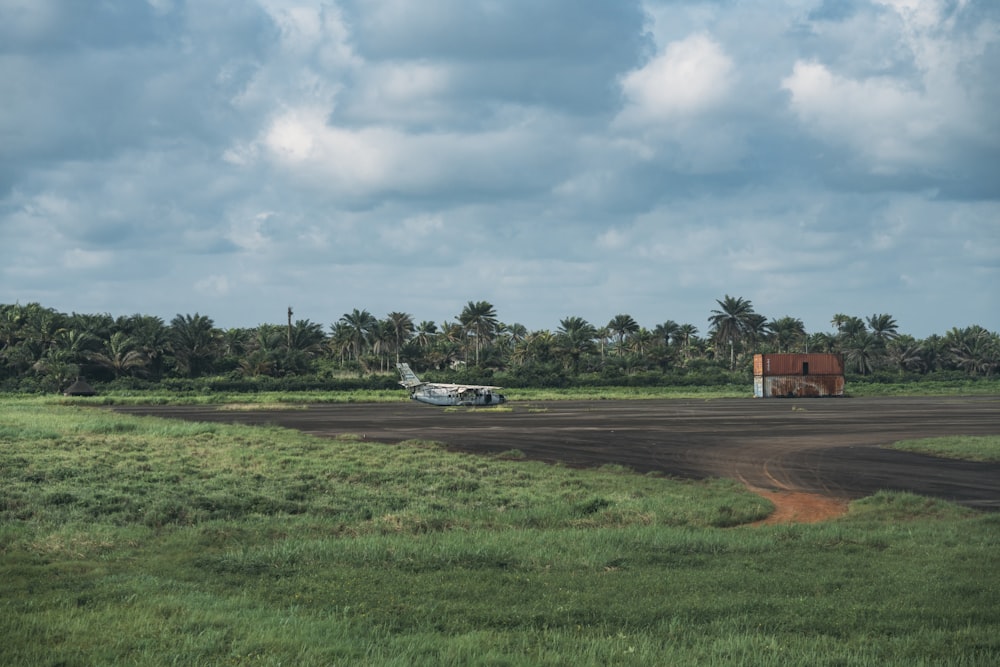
point(80, 388)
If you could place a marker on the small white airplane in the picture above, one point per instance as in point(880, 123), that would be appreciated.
point(448, 394)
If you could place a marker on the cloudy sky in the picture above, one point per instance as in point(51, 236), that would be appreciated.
point(557, 158)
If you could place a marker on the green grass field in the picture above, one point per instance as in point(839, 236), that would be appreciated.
point(969, 448)
point(138, 541)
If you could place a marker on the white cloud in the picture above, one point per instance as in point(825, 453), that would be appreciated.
point(333, 157)
point(612, 239)
point(879, 117)
point(910, 106)
point(308, 29)
point(676, 105)
point(214, 285)
point(293, 136)
point(161, 6)
point(367, 162)
point(923, 14)
point(414, 233)
point(403, 93)
point(687, 78)
point(78, 258)
point(27, 19)
point(247, 233)
point(405, 83)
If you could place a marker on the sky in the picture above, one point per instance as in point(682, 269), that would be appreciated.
point(581, 158)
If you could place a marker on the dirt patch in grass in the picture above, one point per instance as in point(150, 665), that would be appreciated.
point(800, 507)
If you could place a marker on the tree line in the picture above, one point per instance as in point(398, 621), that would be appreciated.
point(45, 350)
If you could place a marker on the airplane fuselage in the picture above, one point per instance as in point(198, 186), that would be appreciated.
point(442, 394)
point(438, 393)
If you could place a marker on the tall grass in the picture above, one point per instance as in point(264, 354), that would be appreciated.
point(130, 540)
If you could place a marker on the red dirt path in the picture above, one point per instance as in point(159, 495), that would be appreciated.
point(800, 507)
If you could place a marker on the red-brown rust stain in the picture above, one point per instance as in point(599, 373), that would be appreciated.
point(799, 507)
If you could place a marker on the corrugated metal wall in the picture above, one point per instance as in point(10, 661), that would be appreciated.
point(798, 375)
point(798, 386)
point(798, 364)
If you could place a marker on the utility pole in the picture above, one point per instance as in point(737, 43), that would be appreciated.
point(289, 327)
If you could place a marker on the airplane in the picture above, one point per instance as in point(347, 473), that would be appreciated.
point(448, 394)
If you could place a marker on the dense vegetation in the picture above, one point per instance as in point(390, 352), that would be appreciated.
point(130, 541)
point(44, 350)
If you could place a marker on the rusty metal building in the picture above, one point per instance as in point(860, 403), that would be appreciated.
point(797, 375)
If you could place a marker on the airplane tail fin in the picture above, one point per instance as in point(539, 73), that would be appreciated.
point(410, 379)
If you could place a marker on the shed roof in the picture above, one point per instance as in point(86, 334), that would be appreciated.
point(80, 388)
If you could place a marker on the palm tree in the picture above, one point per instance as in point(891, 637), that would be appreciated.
point(452, 332)
point(11, 323)
point(256, 364)
point(68, 353)
point(73, 346)
point(575, 338)
point(821, 342)
point(517, 332)
point(235, 341)
point(667, 332)
point(479, 318)
point(538, 346)
point(861, 352)
point(426, 332)
point(731, 323)
point(838, 320)
point(402, 329)
point(266, 339)
point(787, 332)
point(99, 326)
point(685, 334)
point(381, 336)
point(195, 343)
point(448, 345)
point(151, 336)
point(307, 337)
point(55, 374)
point(358, 324)
point(340, 340)
point(883, 327)
point(935, 352)
point(848, 325)
point(41, 327)
point(261, 350)
point(622, 326)
point(756, 329)
point(121, 355)
point(908, 354)
point(507, 338)
point(604, 335)
point(640, 341)
point(974, 350)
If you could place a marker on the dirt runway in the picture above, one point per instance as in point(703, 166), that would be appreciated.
point(831, 447)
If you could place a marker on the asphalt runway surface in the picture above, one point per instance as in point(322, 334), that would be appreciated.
point(832, 447)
